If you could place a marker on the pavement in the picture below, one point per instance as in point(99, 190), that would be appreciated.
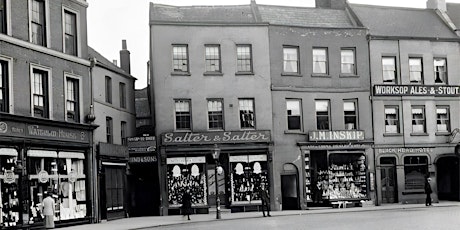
point(139, 223)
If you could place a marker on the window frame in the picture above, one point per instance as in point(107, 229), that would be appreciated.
point(354, 69)
point(45, 25)
point(124, 132)
point(77, 95)
point(411, 71)
point(286, 61)
point(76, 40)
point(445, 81)
point(216, 114)
point(109, 129)
point(328, 115)
point(414, 119)
point(175, 57)
point(408, 165)
point(355, 115)
point(395, 70)
point(5, 84)
point(443, 121)
point(246, 124)
point(122, 94)
point(47, 85)
point(176, 115)
point(240, 59)
point(212, 61)
point(5, 17)
point(326, 61)
point(387, 119)
point(299, 115)
point(108, 90)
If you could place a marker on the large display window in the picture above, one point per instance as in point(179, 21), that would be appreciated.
point(9, 198)
point(187, 173)
point(63, 175)
point(415, 171)
point(248, 173)
point(345, 177)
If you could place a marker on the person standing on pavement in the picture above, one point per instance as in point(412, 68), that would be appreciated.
point(48, 210)
point(186, 204)
point(265, 199)
point(428, 191)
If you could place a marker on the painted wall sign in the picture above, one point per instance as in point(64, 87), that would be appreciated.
point(16, 129)
point(337, 135)
point(417, 90)
point(142, 159)
point(215, 137)
point(405, 150)
point(142, 144)
point(340, 146)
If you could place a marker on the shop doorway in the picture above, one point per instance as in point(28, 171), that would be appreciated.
point(145, 193)
point(289, 187)
point(388, 180)
point(448, 178)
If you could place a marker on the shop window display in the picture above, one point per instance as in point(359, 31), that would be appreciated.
point(345, 178)
point(248, 173)
point(415, 171)
point(183, 173)
point(9, 215)
point(63, 175)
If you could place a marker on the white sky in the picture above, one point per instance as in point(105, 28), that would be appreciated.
point(110, 21)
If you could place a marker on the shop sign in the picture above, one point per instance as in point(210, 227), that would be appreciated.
point(43, 176)
point(142, 144)
point(17, 129)
point(417, 90)
point(9, 177)
point(143, 159)
point(405, 150)
point(454, 136)
point(337, 135)
point(339, 146)
point(216, 137)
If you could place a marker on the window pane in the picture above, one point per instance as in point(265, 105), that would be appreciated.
point(348, 61)
point(290, 60)
point(244, 56)
point(212, 54)
point(180, 58)
point(247, 118)
point(293, 114)
point(319, 60)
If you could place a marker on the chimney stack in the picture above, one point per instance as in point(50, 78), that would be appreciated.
point(125, 60)
point(437, 5)
point(331, 4)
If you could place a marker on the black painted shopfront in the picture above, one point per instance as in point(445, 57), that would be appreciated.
point(40, 157)
point(186, 162)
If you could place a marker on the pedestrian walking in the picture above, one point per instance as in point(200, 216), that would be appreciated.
point(186, 204)
point(428, 191)
point(48, 210)
point(265, 200)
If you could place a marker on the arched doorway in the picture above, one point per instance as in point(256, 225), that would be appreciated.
point(448, 178)
point(290, 187)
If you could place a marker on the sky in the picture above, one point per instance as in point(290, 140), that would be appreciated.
point(111, 21)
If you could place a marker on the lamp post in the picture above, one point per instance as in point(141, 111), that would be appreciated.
point(215, 155)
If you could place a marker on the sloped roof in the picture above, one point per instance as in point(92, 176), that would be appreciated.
point(106, 63)
point(215, 14)
point(303, 16)
point(453, 10)
point(402, 22)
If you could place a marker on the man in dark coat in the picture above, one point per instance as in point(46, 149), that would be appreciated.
point(428, 191)
point(265, 200)
point(186, 203)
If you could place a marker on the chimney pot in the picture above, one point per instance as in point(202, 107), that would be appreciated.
point(115, 62)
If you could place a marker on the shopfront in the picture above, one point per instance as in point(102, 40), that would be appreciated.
point(187, 164)
point(40, 159)
point(338, 168)
point(401, 174)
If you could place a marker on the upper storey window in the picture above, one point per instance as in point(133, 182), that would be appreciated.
point(212, 57)
point(291, 59)
point(415, 70)
point(348, 61)
point(70, 33)
point(244, 58)
point(320, 64)
point(389, 69)
point(180, 58)
point(38, 22)
point(3, 16)
point(440, 70)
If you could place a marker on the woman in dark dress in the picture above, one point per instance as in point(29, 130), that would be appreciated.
point(186, 204)
point(428, 192)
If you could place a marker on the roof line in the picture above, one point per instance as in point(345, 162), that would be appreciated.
point(203, 23)
point(381, 37)
point(389, 7)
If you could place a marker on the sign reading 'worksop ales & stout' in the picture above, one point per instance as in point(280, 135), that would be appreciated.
point(417, 90)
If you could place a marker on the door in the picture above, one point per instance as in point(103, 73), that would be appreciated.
point(290, 197)
point(388, 181)
point(448, 178)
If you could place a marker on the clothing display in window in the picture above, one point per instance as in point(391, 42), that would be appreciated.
point(248, 174)
point(9, 192)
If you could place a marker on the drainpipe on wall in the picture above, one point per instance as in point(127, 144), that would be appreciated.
point(94, 166)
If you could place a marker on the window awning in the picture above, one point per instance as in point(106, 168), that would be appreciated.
point(77, 155)
point(41, 153)
point(8, 152)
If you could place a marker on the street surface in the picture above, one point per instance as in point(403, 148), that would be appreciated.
point(432, 218)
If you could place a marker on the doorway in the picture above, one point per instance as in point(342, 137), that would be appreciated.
point(448, 178)
point(388, 180)
point(289, 188)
